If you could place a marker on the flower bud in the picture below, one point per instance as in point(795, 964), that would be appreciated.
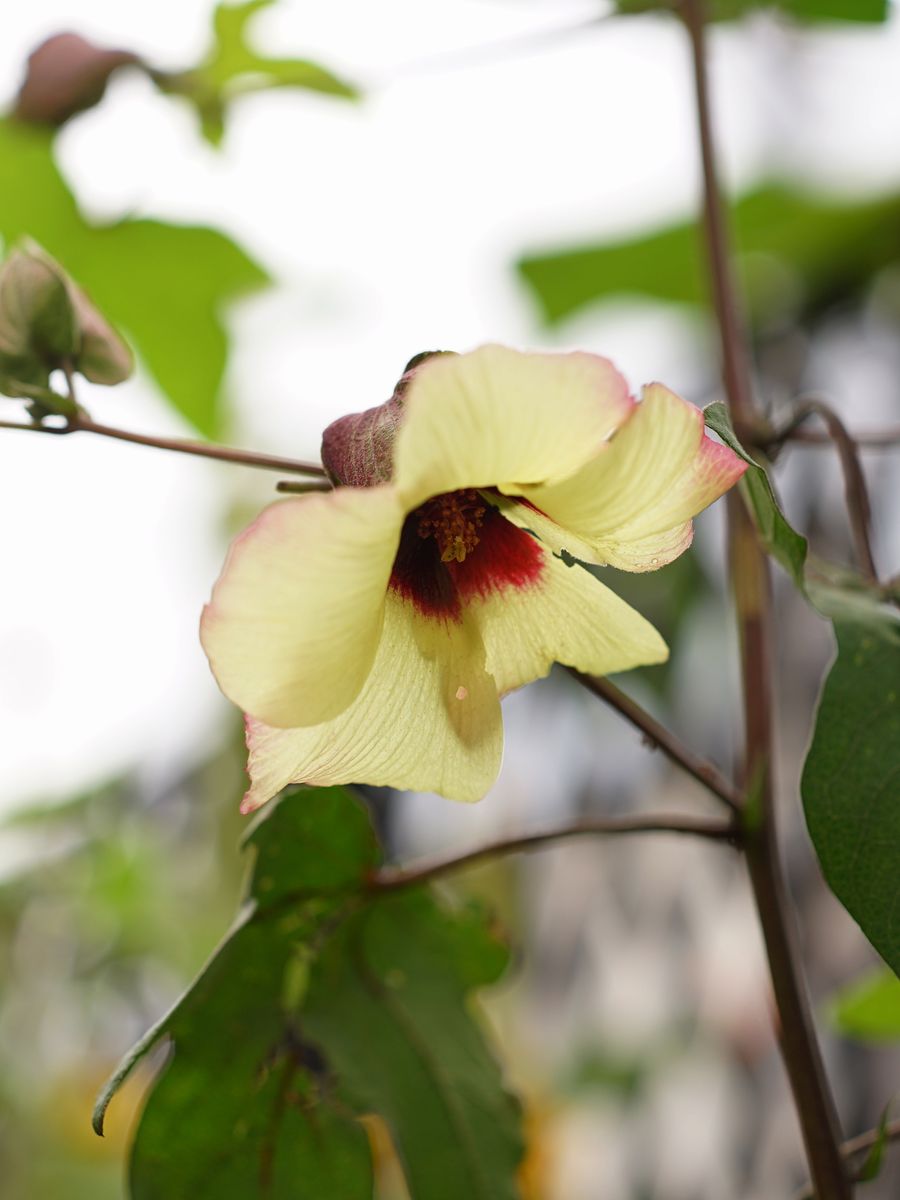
point(66, 75)
point(103, 357)
point(46, 322)
point(358, 450)
point(37, 318)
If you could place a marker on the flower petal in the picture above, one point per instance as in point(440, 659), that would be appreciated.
point(631, 505)
point(295, 617)
point(427, 719)
point(563, 615)
point(498, 416)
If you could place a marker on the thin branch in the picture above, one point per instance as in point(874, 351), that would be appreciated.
point(856, 493)
point(705, 772)
point(734, 343)
point(866, 439)
point(751, 582)
point(856, 1146)
point(246, 458)
point(391, 878)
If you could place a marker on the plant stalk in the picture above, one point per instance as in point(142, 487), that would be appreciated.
point(752, 590)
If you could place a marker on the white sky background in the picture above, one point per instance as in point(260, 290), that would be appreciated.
point(390, 228)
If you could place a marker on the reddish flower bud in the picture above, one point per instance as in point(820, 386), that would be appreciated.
point(358, 450)
point(66, 75)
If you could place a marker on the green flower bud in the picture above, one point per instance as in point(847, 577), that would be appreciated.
point(37, 317)
point(47, 322)
point(103, 357)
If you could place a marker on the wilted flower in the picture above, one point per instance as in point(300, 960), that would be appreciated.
point(369, 633)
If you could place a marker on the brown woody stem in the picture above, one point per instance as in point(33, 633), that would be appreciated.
point(856, 493)
point(855, 1148)
point(391, 878)
point(863, 439)
point(246, 458)
point(752, 590)
point(705, 772)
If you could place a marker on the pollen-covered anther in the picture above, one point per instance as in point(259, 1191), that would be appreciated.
point(453, 520)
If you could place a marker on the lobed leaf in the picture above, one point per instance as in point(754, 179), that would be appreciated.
point(327, 1003)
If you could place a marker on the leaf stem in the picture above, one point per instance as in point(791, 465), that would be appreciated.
point(863, 439)
point(705, 772)
point(856, 493)
point(391, 878)
point(752, 589)
point(246, 458)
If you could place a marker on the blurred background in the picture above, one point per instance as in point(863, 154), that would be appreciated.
point(522, 171)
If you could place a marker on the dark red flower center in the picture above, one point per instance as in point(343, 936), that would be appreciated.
point(456, 548)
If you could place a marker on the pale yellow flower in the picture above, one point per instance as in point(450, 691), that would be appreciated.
point(369, 633)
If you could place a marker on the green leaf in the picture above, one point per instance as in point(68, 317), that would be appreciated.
point(801, 10)
point(869, 1009)
point(233, 67)
point(329, 1001)
point(165, 285)
point(851, 780)
point(796, 253)
point(780, 539)
point(836, 10)
point(874, 1160)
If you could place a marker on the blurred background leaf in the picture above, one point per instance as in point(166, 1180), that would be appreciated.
point(801, 10)
point(119, 893)
point(233, 67)
point(869, 1009)
point(797, 255)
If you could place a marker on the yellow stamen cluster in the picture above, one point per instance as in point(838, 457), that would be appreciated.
point(453, 520)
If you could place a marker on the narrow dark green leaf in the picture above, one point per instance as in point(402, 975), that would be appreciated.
point(795, 251)
point(871, 1167)
point(869, 1009)
point(851, 780)
point(166, 286)
point(329, 1001)
point(780, 539)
